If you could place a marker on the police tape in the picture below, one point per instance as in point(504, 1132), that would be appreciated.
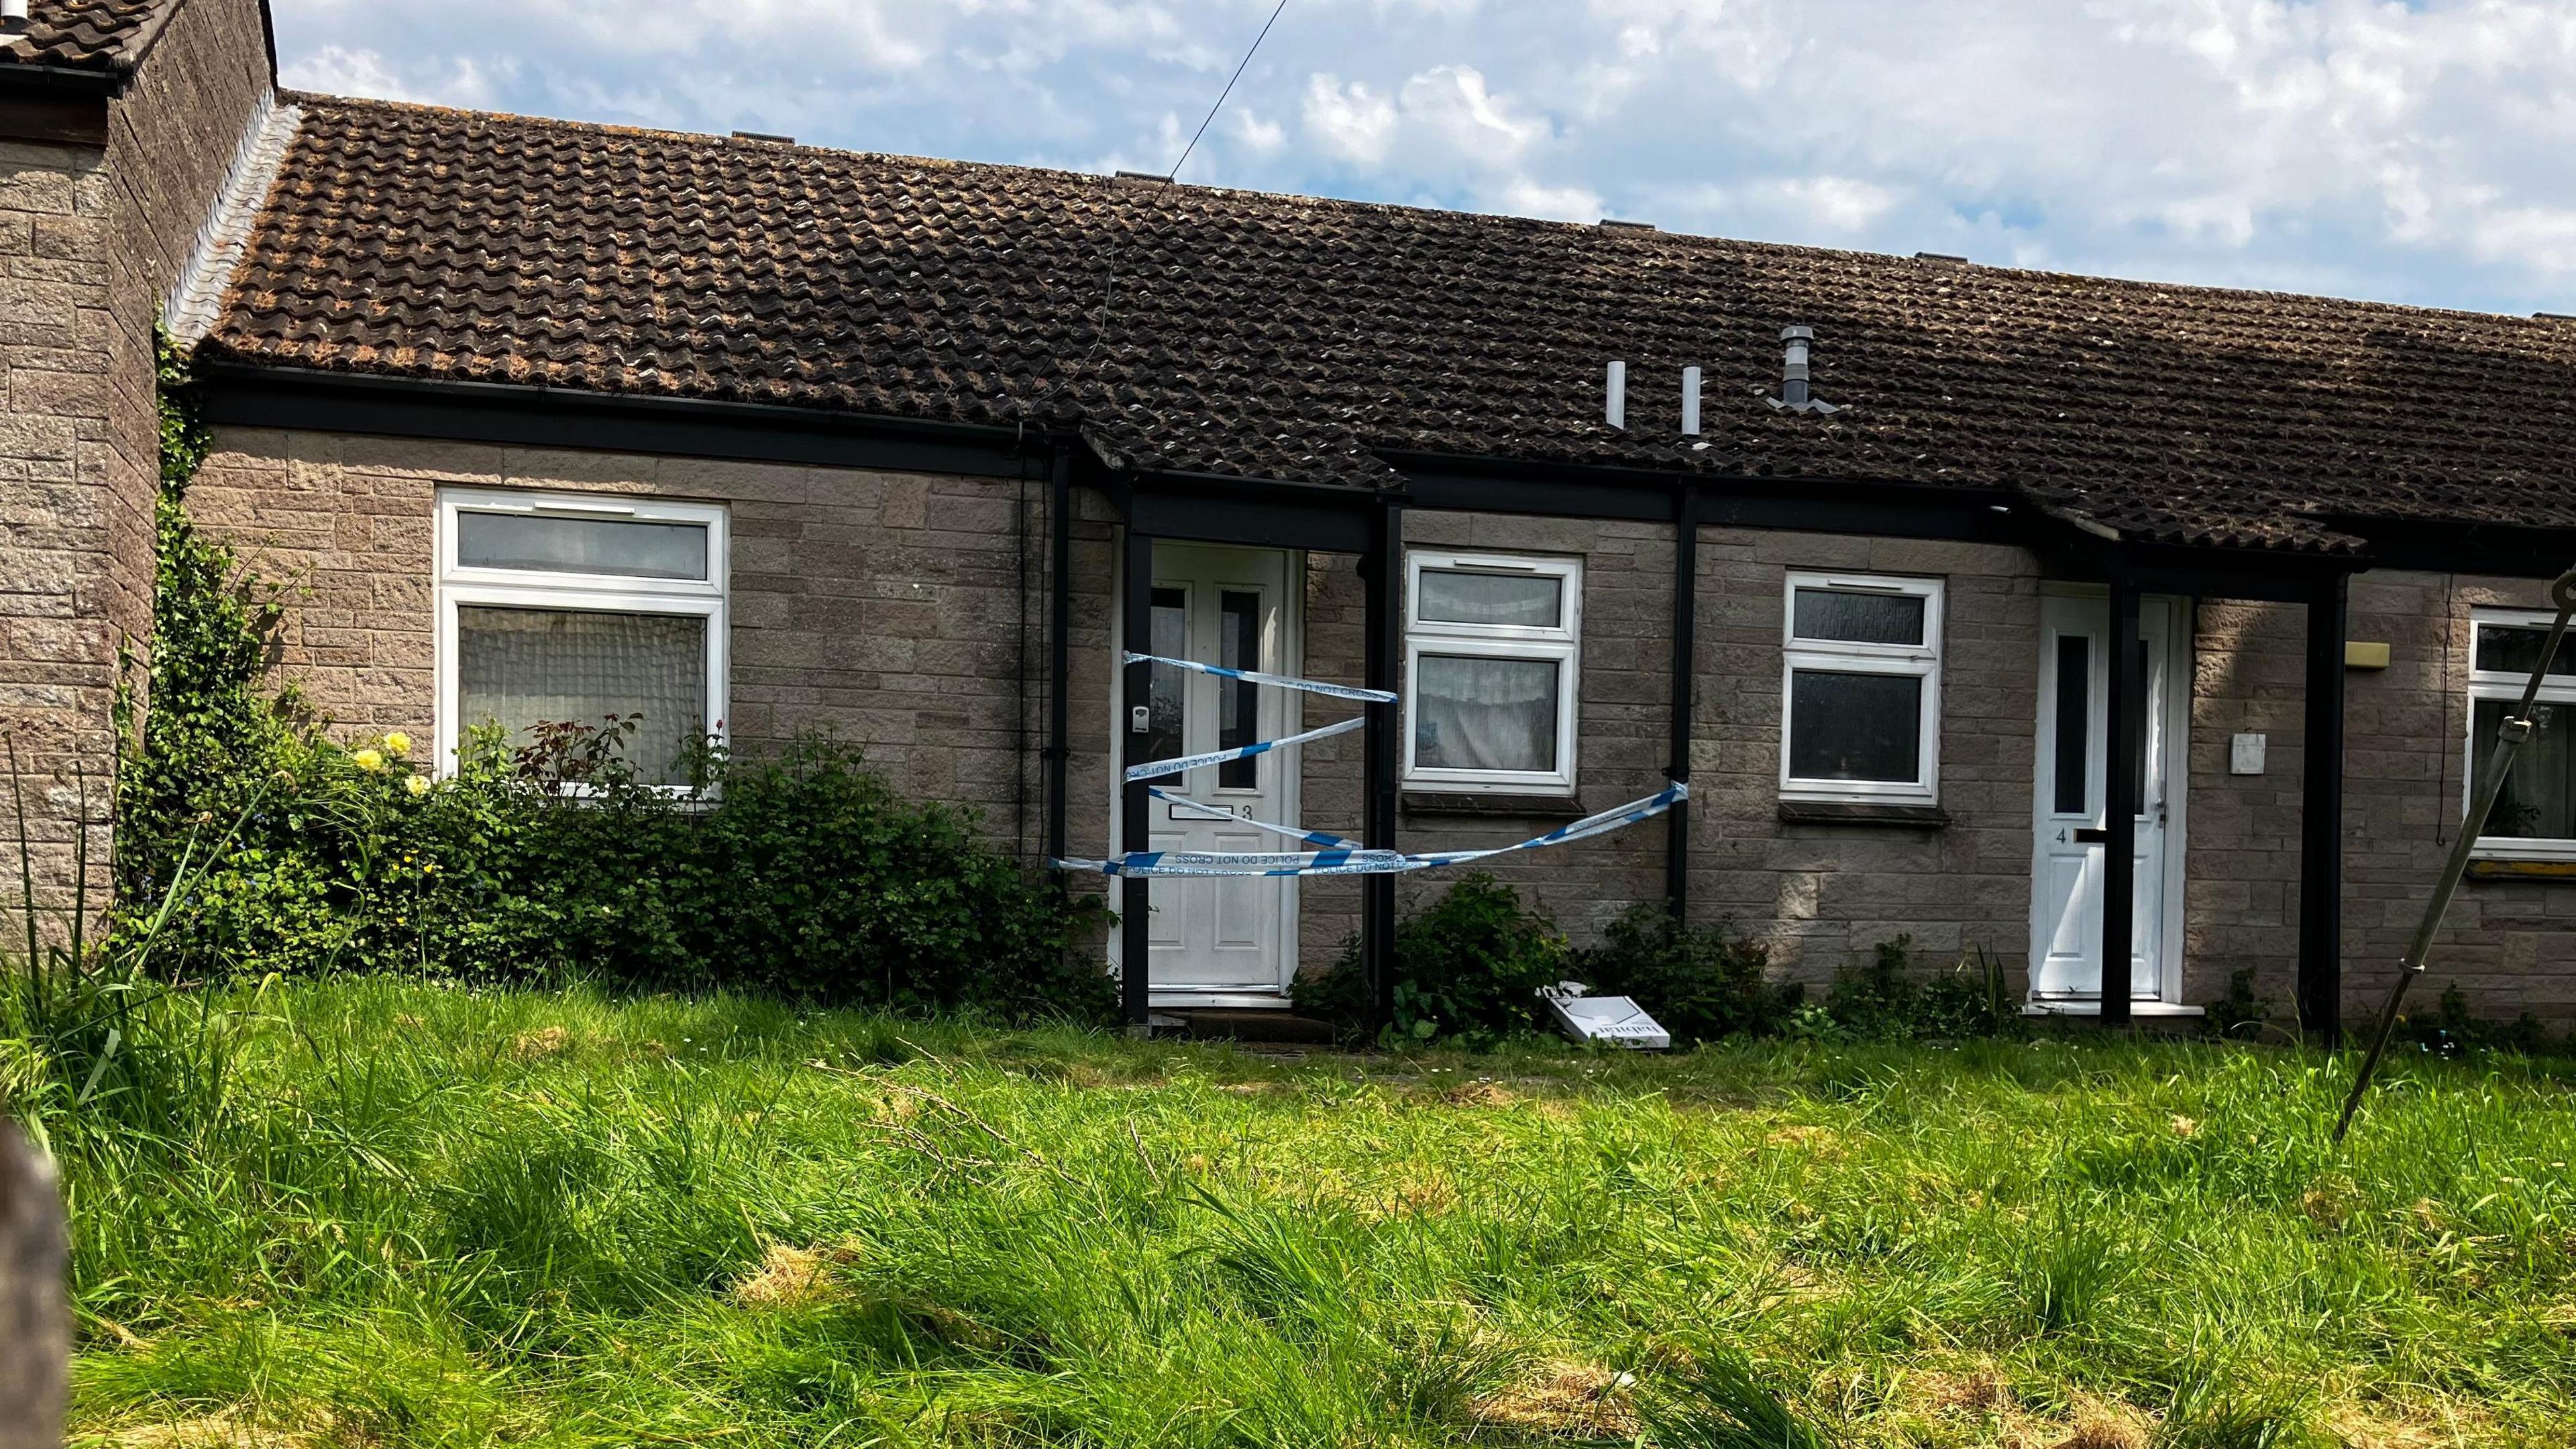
point(1156, 769)
point(1324, 838)
point(1345, 859)
point(1283, 681)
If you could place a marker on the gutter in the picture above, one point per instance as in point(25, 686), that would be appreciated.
point(245, 394)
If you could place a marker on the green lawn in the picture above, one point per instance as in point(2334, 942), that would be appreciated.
point(448, 1217)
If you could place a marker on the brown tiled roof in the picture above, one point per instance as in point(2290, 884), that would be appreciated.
point(1201, 330)
point(85, 34)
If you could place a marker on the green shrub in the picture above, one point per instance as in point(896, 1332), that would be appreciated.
point(1468, 969)
point(2241, 1012)
point(1700, 982)
point(2450, 1030)
point(1883, 999)
point(803, 874)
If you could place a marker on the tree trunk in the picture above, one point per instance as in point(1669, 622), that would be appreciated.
point(35, 1317)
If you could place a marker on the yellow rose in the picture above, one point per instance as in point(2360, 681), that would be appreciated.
point(369, 760)
point(417, 784)
point(398, 742)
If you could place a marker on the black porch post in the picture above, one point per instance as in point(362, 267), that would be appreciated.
point(2321, 817)
point(1059, 645)
point(1383, 571)
point(2126, 707)
point(1684, 695)
point(1135, 824)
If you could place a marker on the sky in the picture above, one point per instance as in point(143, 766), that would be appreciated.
point(2420, 152)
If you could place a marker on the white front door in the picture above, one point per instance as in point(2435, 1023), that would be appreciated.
point(1220, 939)
point(2073, 785)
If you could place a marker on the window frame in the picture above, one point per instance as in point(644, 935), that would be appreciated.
point(1921, 661)
point(457, 587)
point(2492, 684)
point(1561, 645)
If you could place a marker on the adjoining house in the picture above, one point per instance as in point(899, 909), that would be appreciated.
point(2078, 620)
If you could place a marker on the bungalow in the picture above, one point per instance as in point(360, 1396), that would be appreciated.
point(2084, 621)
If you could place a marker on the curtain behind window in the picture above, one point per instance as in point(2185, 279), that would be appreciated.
point(1484, 714)
point(524, 667)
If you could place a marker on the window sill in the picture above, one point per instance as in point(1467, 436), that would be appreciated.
point(1863, 812)
point(2094, 1008)
point(2493, 867)
point(1526, 805)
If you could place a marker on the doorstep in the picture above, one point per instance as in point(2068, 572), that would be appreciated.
point(1251, 1025)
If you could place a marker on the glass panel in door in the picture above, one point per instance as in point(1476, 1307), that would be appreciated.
point(1238, 704)
point(1167, 689)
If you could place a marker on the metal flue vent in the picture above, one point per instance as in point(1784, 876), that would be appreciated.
point(1797, 342)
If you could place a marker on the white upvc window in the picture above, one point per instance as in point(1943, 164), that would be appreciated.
point(1491, 656)
point(2535, 817)
point(572, 608)
point(1860, 712)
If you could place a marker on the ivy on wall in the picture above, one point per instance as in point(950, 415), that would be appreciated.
point(208, 725)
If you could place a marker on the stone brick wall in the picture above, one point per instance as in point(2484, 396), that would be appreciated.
point(1824, 895)
point(1821, 894)
point(90, 241)
point(2509, 944)
point(887, 608)
point(172, 137)
point(61, 603)
point(905, 612)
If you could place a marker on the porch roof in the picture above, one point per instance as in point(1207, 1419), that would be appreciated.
point(1191, 329)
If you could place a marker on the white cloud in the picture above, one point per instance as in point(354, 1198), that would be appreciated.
point(1838, 202)
point(1351, 120)
point(1453, 106)
point(1523, 197)
point(1260, 133)
point(339, 70)
point(2424, 150)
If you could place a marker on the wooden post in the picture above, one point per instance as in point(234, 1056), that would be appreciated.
point(2320, 991)
point(2126, 707)
point(35, 1311)
point(1135, 806)
point(1382, 648)
point(1684, 697)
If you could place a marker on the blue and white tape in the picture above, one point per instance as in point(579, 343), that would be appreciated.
point(1603, 823)
point(1345, 859)
point(1157, 769)
point(1168, 864)
point(1322, 838)
point(1283, 681)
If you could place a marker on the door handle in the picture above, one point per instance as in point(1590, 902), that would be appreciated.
point(2087, 835)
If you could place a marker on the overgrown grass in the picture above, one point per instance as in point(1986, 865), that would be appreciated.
point(433, 1216)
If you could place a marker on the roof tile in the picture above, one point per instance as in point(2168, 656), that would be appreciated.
point(83, 34)
point(1206, 330)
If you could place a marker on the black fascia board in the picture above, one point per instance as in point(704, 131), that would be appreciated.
point(2202, 572)
point(1227, 508)
point(2434, 546)
point(60, 80)
point(1772, 501)
point(517, 415)
point(56, 104)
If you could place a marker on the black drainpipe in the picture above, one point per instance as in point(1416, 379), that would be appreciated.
point(1059, 645)
point(1684, 694)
